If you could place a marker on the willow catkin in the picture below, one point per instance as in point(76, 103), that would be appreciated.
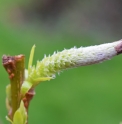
point(73, 57)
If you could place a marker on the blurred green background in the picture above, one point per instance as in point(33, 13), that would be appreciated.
point(84, 95)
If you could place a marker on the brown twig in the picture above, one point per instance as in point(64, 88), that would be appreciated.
point(14, 65)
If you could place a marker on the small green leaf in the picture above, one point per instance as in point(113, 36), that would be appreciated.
point(20, 116)
point(8, 92)
point(8, 97)
point(25, 87)
point(23, 111)
point(31, 58)
point(38, 80)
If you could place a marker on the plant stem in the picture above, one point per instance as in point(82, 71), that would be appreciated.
point(14, 65)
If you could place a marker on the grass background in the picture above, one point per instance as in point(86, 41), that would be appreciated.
point(84, 95)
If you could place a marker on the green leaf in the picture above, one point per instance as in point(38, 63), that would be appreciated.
point(8, 92)
point(38, 80)
point(25, 87)
point(20, 116)
point(31, 58)
point(8, 97)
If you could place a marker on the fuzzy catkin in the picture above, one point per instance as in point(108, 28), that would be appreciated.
point(73, 57)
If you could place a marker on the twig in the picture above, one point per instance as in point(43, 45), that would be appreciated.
point(14, 65)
